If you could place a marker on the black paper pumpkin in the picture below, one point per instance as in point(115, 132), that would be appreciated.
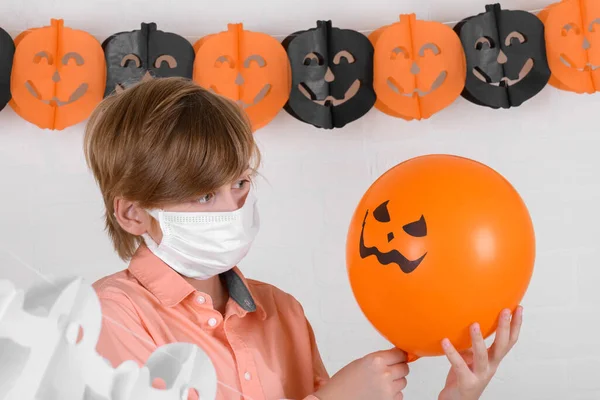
point(7, 52)
point(506, 57)
point(332, 75)
point(145, 53)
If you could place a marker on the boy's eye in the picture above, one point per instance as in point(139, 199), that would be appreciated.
point(206, 198)
point(240, 184)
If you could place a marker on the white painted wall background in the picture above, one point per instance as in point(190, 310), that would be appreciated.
point(50, 208)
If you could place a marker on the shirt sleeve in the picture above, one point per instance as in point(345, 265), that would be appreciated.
point(123, 335)
point(320, 376)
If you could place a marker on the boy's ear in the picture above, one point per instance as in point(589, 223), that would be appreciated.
point(131, 217)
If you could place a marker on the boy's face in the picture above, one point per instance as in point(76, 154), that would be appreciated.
point(137, 221)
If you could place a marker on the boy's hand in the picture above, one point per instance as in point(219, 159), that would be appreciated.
point(473, 370)
point(377, 376)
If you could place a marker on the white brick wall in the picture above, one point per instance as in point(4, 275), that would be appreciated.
point(51, 209)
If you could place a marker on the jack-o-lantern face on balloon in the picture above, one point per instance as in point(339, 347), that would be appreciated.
point(437, 243)
point(573, 44)
point(251, 68)
point(143, 54)
point(58, 76)
point(506, 57)
point(419, 67)
point(332, 75)
point(415, 229)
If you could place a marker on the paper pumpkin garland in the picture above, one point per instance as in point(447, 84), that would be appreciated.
point(419, 67)
point(506, 57)
point(58, 75)
point(332, 75)
point(324, 76)
point(7, 52)
point(141, 54)
point(251, 68)
point(572, 30)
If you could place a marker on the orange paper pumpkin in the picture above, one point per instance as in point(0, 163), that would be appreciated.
point(572, 30)
point(251, 68)
point(419, 67)
point(437, 243)
point(58, 76)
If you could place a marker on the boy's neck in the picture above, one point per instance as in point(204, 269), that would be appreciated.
point(215, 288)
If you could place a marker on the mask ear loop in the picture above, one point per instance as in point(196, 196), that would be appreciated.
point(154, 213)
point(150, 243)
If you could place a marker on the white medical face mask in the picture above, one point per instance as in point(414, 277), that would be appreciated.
point(201, 245)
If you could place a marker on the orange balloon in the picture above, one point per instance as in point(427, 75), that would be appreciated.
point(437, 243)
point(58, 75)
point(572, 30)
point(251, 68)
point(420, 67)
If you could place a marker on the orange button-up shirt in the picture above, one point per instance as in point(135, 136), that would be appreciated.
point(263, 348)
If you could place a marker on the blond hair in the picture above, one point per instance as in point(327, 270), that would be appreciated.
point(162, 142)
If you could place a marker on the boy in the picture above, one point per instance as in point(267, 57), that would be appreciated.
point(174, 164)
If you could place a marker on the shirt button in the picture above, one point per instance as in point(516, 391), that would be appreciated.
point(201, 299)
point(212, 322)
point(247, 376)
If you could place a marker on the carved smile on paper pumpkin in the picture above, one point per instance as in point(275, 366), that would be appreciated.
point(414, 229)
point(588, 67)
point(393, 84)
point(55, 101)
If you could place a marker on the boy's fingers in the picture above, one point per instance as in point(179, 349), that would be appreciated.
point(391, 357)
point(501, 342)
point(515, 326)
point(458, 363)
point(400, 385)
point(467, 355)
point(480, 354)
point(398, 371)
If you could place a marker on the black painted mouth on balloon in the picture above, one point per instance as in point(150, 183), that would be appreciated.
point(330, 100)
point(504, 82)
point(394, 256)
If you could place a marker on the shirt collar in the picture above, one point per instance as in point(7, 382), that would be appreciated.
point(170, 288)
